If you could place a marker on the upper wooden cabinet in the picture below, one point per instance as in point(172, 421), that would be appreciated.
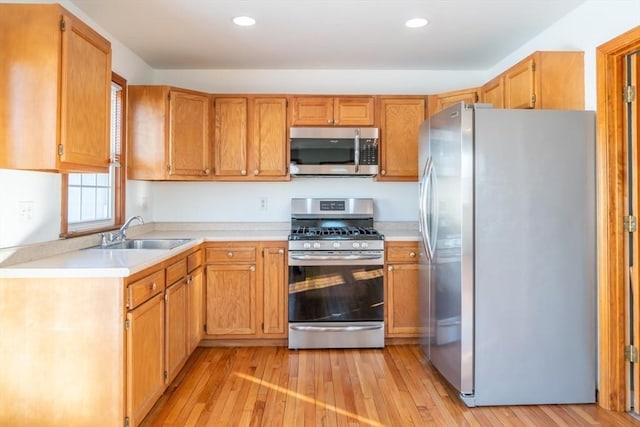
point(443, 100)
point(55, 106)
point(546, 80)
point(332, 111)
point(492, 92)
point(250, 138)
point(168, 134)
point(399, 119)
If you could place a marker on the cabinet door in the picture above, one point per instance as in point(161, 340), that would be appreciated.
point(311, 111)
point(145, 361)
point(353, 111)
point(189, 134)
point(402, 296)
point(85, 98)
point(195, 311)
point(230, 139)
point(493, 93)
point(274, 291)
point(399, 123)
point(269, 141)
point(519, 85)
point(176, 328)
point(231, 299)
point(443, 100)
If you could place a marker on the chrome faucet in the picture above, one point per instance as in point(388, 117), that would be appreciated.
point(123, 230)
point(119, 235)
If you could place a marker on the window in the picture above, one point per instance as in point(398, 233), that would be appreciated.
point(93, 202)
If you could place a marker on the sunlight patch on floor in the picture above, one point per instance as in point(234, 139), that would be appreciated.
point(309, 400)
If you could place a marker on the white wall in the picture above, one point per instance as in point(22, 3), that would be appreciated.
point(593, 23)
point(239, 202)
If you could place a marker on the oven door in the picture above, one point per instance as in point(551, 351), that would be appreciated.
point(336, 300)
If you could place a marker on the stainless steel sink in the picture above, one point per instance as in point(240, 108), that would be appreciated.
point(145, 244)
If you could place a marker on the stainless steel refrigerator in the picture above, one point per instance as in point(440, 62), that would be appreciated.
point(508, 259)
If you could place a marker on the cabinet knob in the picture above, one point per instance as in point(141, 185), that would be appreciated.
point(256, 171)
point(412, 254)
point(335, 122)
point(281, 251)
point(230, 254)
point(243, 172)
point(153, 286)
point(390, 268)
point(252, 268)
point(383, 172)
point(206, 171)
point(329, 121)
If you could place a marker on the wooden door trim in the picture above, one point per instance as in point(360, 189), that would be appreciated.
point(612, 197)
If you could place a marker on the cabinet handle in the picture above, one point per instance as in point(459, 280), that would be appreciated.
point(390, 268)
point(229, 254)
point(243, 172)
point(252, 268)
point(281, 251)
point(412, 254)
point(189, 278)
point(256, 171)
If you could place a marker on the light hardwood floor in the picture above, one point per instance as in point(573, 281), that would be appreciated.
point(273, 386)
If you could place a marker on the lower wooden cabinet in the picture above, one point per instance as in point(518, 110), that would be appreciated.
point(245, 290)
point(402, 318)
point(145, 357)
point(161, 334)
point(195, 309)
point(176, 344)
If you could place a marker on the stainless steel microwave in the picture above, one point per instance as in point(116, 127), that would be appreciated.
point(334, 151)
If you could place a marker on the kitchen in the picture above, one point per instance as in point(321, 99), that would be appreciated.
point(395, 201)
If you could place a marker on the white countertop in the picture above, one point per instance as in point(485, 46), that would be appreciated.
point(123, 263)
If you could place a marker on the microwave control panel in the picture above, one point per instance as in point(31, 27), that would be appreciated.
point(368, 152)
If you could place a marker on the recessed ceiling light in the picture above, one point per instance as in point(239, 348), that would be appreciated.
point(416, 23)
point(244, 21)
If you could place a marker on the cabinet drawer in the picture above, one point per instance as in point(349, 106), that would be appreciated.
point(404, 252)
point(231, 255)
point(176, 271)
point(143, 289)
point(194, 261)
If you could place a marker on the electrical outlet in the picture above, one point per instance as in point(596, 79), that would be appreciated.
point(25, 210)
point(262, 203)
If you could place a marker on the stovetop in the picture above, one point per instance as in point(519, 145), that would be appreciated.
point(334, 233)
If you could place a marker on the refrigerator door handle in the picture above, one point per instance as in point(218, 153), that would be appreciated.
point(424, 204)
point(435, 208)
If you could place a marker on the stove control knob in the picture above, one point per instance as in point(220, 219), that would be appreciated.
point(307, 246)
point(356, 245)
point(336, 245)
point(364, 245)
point(316, 246)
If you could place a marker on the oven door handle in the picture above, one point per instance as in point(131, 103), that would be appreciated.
point(335, 328)
point(334, 257)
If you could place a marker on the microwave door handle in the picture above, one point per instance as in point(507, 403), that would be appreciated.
point(356, 142)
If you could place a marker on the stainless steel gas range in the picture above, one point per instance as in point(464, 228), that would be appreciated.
point(336, 286)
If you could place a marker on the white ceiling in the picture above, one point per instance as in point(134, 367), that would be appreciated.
point(324, 34)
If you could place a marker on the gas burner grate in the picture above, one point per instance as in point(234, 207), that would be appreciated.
point(321, 232)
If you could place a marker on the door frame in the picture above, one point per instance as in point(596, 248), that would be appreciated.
point(611, 154)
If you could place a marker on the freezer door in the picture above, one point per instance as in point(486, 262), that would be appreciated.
point(535, 259)
point(451, 272)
